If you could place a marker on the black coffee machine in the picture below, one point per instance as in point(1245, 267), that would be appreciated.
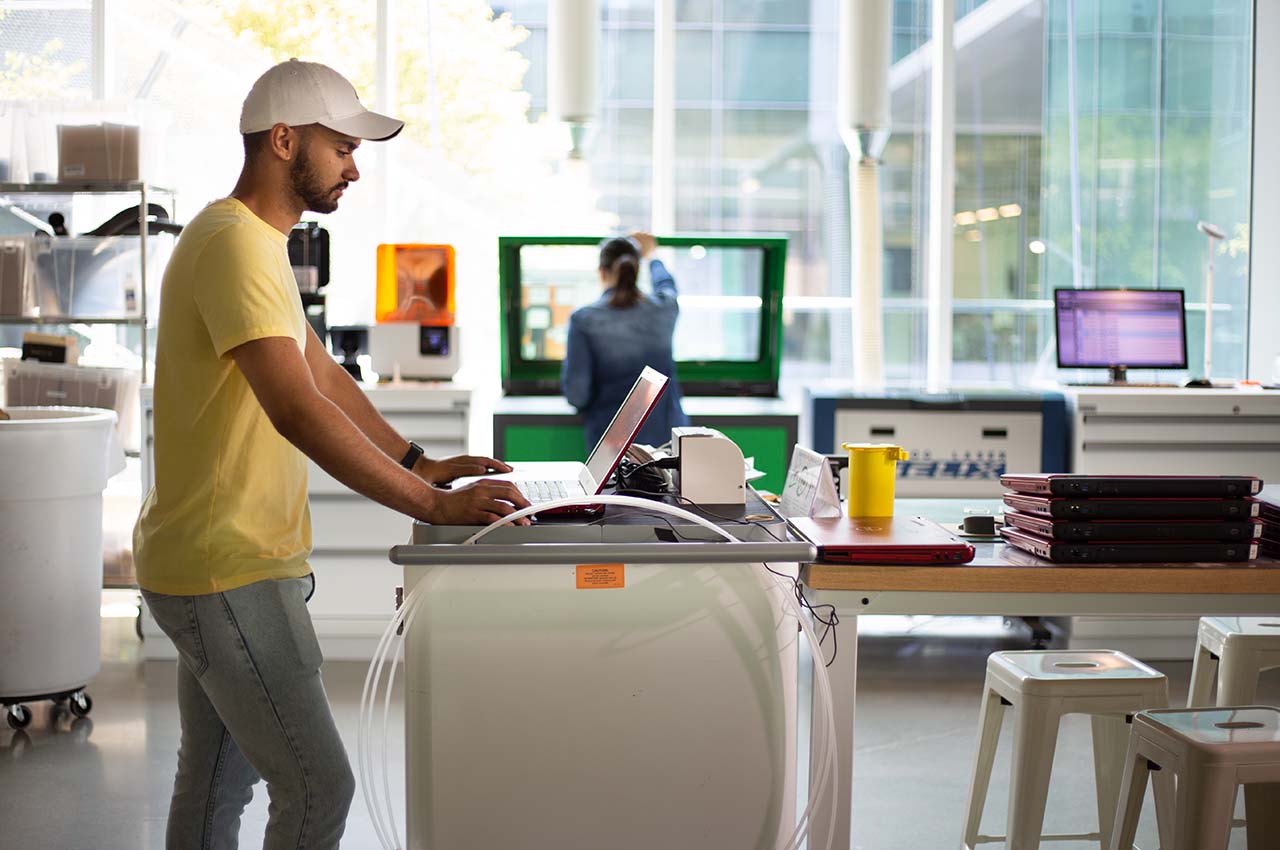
point(309, 257)
point(349, 342)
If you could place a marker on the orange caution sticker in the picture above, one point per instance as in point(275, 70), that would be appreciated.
point(592, 576)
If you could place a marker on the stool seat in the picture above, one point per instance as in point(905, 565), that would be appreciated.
point(1224, 629)
point(1042, 687)
point(1207, 753)
point(1235, 651)
point(1236, 735)
point(1075, 673)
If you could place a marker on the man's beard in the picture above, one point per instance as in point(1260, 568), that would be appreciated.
point(306, 184)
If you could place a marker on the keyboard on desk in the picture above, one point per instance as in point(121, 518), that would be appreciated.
point(538, 492)
point(1127, 385)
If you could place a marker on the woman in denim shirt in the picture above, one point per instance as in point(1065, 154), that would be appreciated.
point(613, 338)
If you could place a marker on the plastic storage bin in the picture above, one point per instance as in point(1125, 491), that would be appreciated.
point(94, 277)
point(31, 383)
point(56, 463)
point(92, 141)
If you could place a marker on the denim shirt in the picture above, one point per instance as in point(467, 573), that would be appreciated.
point(607, 349)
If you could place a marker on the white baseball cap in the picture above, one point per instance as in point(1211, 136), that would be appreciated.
point(299, 93)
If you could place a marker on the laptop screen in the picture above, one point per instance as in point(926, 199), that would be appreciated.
point(626, 424)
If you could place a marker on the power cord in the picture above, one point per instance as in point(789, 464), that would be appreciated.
point(645, 476)
point(824, 614)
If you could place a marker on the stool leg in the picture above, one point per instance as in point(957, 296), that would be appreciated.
point(989, 720)
point(1034, 742)
point(1203, 666)
point(1237, 679)
point(1262, 815)
point(1133, 787)
point(1110, 737)
point(1165, 791)
point(1206, 799)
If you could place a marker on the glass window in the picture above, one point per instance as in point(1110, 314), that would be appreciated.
point(47, 49)
point(1164, 128)
point(766, 67)
point(1162, 120)
point(766, 12)
point(628, 65)
point(693, 65)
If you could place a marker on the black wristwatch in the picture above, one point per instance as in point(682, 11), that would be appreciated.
point(411, 456)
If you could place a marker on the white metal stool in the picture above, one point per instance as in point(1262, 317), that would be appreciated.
point(1042, 686)
point(1209, 752)
point(1239, 648)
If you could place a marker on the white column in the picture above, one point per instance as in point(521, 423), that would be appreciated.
point(663, 195)
point(385, 102)
point(573, 36)
point(104, 84)
point(1264, 252)
point(864, 49)
point(942, 194)
point(385, 59)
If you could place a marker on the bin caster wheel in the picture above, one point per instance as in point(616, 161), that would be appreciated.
point(80, 704)
point(19, 716)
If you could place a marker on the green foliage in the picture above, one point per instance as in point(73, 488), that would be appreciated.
point(479, 97)
point(27, 76)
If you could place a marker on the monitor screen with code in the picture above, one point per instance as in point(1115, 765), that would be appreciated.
point(1135, 328)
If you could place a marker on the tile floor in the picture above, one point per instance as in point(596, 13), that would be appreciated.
point(103, 782)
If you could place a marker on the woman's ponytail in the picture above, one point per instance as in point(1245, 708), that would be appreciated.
point(620, 258)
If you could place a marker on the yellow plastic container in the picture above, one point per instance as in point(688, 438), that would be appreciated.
point(872, 470)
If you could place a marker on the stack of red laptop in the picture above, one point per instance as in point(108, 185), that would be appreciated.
point(1082, 519)
point(1269, 500)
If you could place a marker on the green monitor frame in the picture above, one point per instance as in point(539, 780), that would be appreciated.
point(757, 377)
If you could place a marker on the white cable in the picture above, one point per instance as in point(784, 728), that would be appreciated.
point(389, 646)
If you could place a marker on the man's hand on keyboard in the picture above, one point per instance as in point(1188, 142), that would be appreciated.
point(450, 468)
point(479, 503)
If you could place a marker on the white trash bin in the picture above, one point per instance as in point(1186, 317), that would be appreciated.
point(54, 464)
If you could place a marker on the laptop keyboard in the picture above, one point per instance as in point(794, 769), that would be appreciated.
point(538, 492)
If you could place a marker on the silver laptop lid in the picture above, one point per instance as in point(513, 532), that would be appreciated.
point(627, 422)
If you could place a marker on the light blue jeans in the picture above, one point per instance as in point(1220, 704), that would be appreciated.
point(253, 706)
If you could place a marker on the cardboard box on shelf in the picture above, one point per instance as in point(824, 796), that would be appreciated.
point(15, 296)
point(50, 348)
point(98, 153)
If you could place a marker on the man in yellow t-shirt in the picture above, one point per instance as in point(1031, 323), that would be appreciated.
point(244, 394)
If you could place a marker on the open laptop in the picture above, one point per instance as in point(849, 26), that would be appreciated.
point(546, 481)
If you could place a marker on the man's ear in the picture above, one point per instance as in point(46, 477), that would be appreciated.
point(284, 141)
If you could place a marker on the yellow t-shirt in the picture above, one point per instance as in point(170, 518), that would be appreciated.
point(229, 505)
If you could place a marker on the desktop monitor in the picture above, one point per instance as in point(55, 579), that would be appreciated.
point(1120, 329)
point(728, 339)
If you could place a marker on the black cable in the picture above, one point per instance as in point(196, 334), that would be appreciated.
point(632, 475)
point(829, 623)
point(831, 618)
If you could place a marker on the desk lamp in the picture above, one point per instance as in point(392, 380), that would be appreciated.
point(1214, 233)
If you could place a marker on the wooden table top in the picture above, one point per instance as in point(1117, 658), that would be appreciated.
point(999, 568)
